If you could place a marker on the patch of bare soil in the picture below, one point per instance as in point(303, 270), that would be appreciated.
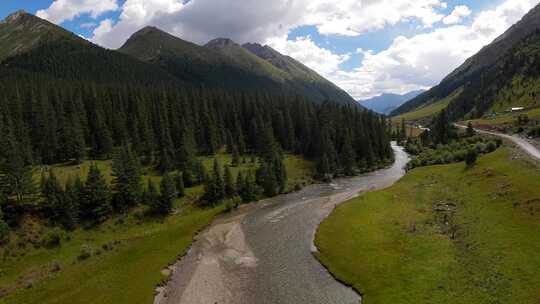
point(214, 268)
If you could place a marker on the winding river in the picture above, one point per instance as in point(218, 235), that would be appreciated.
point(263, 253)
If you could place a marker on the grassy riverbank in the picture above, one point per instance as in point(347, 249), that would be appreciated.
point(443, 234)
point(120, 261)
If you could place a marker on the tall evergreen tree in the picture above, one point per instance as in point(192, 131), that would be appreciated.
point(127, 177)
point(180, 188)
point(168, 194)
point(97, 197)
point(230, 188)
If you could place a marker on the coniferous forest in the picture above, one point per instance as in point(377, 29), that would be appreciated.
point(46, 120)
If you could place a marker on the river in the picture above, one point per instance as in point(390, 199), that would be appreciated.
point(263, 253)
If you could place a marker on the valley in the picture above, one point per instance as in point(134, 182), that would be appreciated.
point(282, 152)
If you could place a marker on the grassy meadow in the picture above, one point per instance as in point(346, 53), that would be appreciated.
point(442, 234)
point(119, 261)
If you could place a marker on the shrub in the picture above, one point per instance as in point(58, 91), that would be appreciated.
point(53, 238)
point(491, 146)
point(472, 156)
point(86, 252)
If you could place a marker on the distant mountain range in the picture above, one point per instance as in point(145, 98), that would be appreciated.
point(504, 74)
point(386, 103)
point(220, 64)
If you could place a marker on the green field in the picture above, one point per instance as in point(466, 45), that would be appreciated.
point(127, 252)
point(506, 118)
point(428, 111)
point(443, 234)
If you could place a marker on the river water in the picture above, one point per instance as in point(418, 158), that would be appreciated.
point(264, 254)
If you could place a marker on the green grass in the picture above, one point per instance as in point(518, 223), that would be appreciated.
point(430, 110)
point(128, 273)
point(400, 245)
point(506, 118)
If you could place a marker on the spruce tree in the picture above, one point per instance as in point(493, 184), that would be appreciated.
point(15, 173)
point(240, 184)
point(97, 197)
point(72, 198)
point(152, 195)
point(187, 176)
point(168, 194)
point(348, 157)
point(127, 177)
point(470, 130)
point(235, 156)
point(180, 189)
point(218, 181)
point(230, 188)
point(54, 202)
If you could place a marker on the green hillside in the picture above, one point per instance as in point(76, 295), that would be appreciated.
point(443, 234)
point(502, 75)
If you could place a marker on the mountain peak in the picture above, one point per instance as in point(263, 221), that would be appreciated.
point(220, 43)
point(22, 31)
point(16, 16)
point(148, 30)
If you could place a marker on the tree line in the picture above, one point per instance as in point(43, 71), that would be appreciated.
point(45, 120)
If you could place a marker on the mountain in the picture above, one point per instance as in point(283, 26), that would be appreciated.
point(29, 44)
point(386, 103)
point(503, 74)
point(299, 72)
point(222, 63)
point(21, 32)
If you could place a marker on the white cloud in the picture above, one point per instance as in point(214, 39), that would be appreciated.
point(62, 10)
point(457, 15)
point(409, 63)
point(251, 20)
point(306, 51)
point(423, 60)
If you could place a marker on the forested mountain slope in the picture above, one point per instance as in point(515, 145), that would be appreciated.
point(222, 63)
point(66, 99)
point(503, 74)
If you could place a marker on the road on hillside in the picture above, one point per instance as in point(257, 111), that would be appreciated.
point(520, 142)
point(263, 253)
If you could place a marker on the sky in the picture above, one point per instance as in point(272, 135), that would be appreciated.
point(367, 47)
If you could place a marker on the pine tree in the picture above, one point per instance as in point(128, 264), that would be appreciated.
point(187, 176)
point(165, 161)
point(218, 180)
point(249, 191)
point(72, 198)
point(348, 157)
point(180, 189)
point(152, 195)
point(97, 197)
point(53, 197)
point(168, 194)
point(230, 189)
point(268, 180)
point(470, 130)
point(127, 177)
point(240, 184)
point(235, 156)
point(15, 173)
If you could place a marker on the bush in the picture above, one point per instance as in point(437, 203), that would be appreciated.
point(491, 146)
point(472, 156)
point(53, 238)
point(86, 252)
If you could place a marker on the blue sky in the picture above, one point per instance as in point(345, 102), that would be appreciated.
point(405, 45)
